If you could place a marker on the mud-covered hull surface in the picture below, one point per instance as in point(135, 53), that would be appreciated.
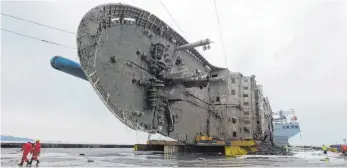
point(138, 67)
point(113, 41)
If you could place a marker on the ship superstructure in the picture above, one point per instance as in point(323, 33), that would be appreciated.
point(153, 80)
point(286, 126)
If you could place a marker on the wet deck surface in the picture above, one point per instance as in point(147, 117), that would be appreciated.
point(106, 157)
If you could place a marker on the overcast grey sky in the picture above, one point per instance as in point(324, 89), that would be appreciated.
point(296, 49)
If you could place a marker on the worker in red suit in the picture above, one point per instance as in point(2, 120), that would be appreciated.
point(26, 148)
point(36, 152)
point(344, 150)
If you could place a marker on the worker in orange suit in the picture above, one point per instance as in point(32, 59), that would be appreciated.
point(26, 148)
point(36, 152)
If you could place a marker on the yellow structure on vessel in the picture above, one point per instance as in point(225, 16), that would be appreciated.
point(234, 151)
point(239, 148)
point(332, 149)
point(199, 138)
point(235, 148)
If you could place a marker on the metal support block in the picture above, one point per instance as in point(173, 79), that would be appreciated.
point(170, 149)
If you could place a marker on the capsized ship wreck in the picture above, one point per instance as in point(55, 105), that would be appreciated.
point(154, 80)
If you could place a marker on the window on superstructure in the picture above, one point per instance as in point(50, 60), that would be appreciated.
point(234, 134)
point(233, 120)
point(245, 87)
point(245, 103)
point(296, 126)
point(258, 122)
point(233, 81)
point(245, 80)
point(215, 75)
point(113, 59)
point(284, 127)
point(292, 126)
point(233, 92)
point(246, 112)
point(245, 95)
point(217, 98)
point(287, 126)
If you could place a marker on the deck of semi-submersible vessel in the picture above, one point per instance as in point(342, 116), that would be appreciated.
point(154, 80)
